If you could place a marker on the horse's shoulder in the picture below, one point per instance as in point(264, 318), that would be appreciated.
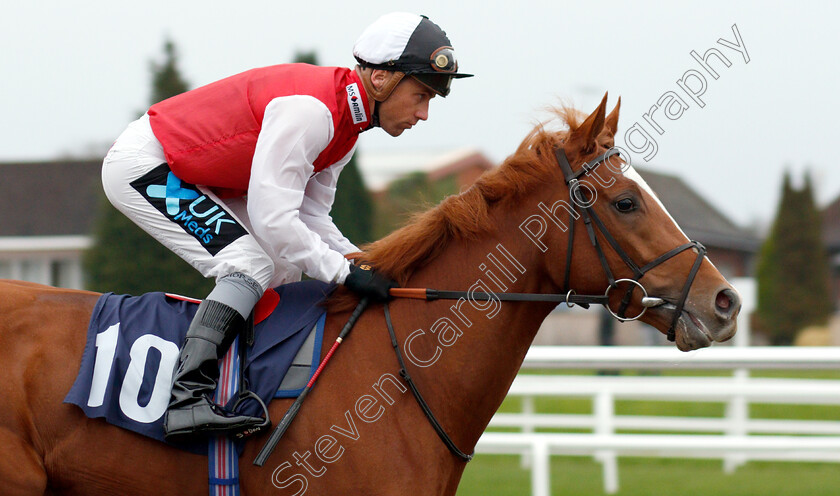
point(17, 293)
point(38, 317)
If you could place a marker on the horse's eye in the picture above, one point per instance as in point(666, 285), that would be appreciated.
point(625, 205)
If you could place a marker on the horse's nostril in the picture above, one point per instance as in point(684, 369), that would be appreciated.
point(723, 302)
point(726, 302)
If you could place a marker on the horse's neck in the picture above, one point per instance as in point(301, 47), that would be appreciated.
point(469, 380)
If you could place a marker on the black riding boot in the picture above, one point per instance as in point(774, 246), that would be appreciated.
point(192, 412)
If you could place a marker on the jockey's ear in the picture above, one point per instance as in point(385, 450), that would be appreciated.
point(611, 122)
point(379, 83)
point(378, 78)
point(584, 136)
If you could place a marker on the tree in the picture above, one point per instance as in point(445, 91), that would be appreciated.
point(166, 78)
point(352, 210)
point(124, 258)
point(793, 270)
point(306, 57)
point(408, 195)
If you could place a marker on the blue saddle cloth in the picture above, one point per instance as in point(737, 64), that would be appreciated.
point(133, 343)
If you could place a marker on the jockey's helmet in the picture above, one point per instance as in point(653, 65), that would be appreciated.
point(408, 45)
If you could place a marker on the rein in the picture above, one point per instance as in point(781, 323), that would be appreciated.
point(570, 298)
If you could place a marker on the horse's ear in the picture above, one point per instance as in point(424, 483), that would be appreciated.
point(611, 123)
point(586, 133)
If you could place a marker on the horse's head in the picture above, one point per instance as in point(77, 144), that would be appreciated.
point(636, 239)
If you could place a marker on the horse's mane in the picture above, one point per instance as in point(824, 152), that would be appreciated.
point(465, 216)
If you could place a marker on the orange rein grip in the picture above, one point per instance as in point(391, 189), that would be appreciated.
point(416, 293)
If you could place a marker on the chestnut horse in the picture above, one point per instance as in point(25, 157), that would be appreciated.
point(360, 431)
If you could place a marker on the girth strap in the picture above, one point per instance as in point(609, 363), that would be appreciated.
point(419, 397)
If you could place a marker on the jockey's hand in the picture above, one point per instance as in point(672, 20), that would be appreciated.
point(365, 282)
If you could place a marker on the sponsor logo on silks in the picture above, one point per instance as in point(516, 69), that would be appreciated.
point(182, 203)
point(355, 101)
point(249, 432)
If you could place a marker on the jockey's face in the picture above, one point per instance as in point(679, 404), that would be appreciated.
point(407, 104)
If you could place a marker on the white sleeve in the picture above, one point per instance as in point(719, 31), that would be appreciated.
point(295, 130)
point(317, 203)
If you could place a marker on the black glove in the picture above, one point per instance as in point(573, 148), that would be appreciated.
point(365, 282)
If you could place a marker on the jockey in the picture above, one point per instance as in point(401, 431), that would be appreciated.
point(238, 178)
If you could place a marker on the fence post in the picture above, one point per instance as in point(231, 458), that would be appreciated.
point(527, 427)
point(737, 413)
point(604, 426)
point(540, 472)
point(737, 409)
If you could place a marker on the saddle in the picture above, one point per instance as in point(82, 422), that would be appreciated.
point(133, 343)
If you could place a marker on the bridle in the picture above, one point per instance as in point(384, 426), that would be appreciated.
point(590, 218)
point(568, 295)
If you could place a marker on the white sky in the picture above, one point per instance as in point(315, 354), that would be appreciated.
point(75, 73)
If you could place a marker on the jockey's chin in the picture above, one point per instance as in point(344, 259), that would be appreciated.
point(397, 130)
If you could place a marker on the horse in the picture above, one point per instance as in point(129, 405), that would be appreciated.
point(360, 431)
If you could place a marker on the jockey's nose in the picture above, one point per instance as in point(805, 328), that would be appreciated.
point(423, 112)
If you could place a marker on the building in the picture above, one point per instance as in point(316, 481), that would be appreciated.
point(831, 236)
point(732, 248)
point(47, 211)
point(403, 183)
point(462, 164)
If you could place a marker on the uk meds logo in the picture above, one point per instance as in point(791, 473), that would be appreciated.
point(182, 203)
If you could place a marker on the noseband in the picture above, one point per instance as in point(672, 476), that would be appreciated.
point(590, 218)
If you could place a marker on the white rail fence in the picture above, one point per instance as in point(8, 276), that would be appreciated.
point(732, 438)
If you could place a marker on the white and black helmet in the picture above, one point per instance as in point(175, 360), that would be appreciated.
point(411, 44)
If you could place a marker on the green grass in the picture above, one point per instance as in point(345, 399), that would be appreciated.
point(687, 409)
point(502, 475)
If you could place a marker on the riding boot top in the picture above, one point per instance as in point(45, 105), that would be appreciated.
point(192, 412)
